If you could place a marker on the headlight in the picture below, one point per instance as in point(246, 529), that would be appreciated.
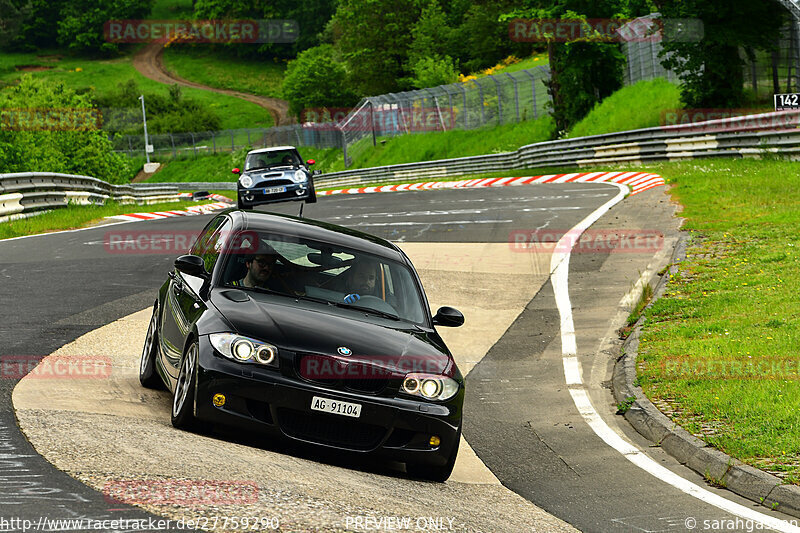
point(299, 176)
point(430, 386)
point(244, 349)
point(246, 181)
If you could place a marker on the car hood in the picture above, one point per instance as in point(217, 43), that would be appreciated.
point(314, 328)
point(269, 174)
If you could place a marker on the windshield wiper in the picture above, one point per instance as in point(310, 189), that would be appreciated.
point(370, 310)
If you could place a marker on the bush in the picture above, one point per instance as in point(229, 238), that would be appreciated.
point(430, 72)
point(37, 146)
point(317, 79)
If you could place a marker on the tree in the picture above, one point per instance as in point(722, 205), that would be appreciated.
point(431, 71)
point(711, 69)
point(374, 37)
point(317, 79)
point(52, 129)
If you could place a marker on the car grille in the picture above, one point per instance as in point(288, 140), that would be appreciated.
point(335, 373)
point(330, 429)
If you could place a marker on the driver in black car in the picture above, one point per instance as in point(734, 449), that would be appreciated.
point(361, 280)
point(259, 269)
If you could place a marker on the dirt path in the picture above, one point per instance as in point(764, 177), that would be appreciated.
point(149, 63)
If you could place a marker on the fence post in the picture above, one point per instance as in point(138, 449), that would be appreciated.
point(172, 141)
point(344, 148)
point(483, 111)
point(194, 146)
point(249, 142)
point(533, 92)
point(466, 110)
point(499, 100)
point(214, 142)
point(233, 145)
point(516, 94)
point(372, 121)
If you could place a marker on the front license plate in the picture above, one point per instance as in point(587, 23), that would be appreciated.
point(274, 190)
point(326, 405)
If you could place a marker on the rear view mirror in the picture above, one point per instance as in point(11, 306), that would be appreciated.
point(192, 265)
point(448, 317)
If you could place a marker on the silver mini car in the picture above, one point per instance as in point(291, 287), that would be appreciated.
point(276, 174)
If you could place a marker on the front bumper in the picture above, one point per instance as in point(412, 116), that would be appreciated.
point(268, 401)
point(256, 195)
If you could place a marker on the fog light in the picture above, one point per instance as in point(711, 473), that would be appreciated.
point(219, 401)
point(435, 441)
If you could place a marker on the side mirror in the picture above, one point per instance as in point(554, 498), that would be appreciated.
point(316, 172)
point(310, 162)
point(448, 317)
point(236, 171)
point(192, 265)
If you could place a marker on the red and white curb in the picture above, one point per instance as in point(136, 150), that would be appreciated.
point(189, 211)
point(636, 181)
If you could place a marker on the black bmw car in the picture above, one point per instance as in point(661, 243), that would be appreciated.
point(310, 331)
point(276, 174)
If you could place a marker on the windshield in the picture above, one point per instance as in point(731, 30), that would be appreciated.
point(324, 273)
point(273, 158)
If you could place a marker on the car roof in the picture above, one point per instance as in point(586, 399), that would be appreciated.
point(315, 230)
point(271, 149)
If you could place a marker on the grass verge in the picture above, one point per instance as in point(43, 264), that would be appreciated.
point(640, 105)
point(719, 351)
point(78, 216)
point(217, 68)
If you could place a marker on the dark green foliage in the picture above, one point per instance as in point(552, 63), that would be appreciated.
point(26, 148)
point(317, 79)
point(74, 24)
point(711, 69)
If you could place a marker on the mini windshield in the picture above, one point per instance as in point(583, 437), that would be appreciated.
point(324, 273)
point(273, 158)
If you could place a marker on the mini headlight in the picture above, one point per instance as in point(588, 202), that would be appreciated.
point(299, 176)
point(244, 349)
point(246, 181)
point(433, 387)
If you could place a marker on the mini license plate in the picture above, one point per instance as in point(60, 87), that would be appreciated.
point(326, 405)
point(274, 190)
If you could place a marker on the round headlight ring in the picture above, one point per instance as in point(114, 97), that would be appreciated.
point(246, 181)
point(242, 349)
point(411, 385)
point(265, 354)
point(299, 176)
point(431, 388)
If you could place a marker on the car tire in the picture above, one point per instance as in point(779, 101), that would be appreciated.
point(183, 396)
point(312, 195)
point(148, 375)
point(435, 473)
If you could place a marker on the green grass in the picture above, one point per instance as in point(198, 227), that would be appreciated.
point(106, 75)
point(77, 216)
point(217, 68)
point(641, 105)
point(732, 308)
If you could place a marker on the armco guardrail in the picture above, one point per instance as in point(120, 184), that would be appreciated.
point(738, 137)
point(26, 192)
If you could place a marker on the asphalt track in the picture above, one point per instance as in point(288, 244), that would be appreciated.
point(519, 417)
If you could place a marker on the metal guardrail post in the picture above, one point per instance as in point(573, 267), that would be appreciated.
point(516, 93)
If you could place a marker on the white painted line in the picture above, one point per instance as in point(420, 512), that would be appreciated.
point(559, 277)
